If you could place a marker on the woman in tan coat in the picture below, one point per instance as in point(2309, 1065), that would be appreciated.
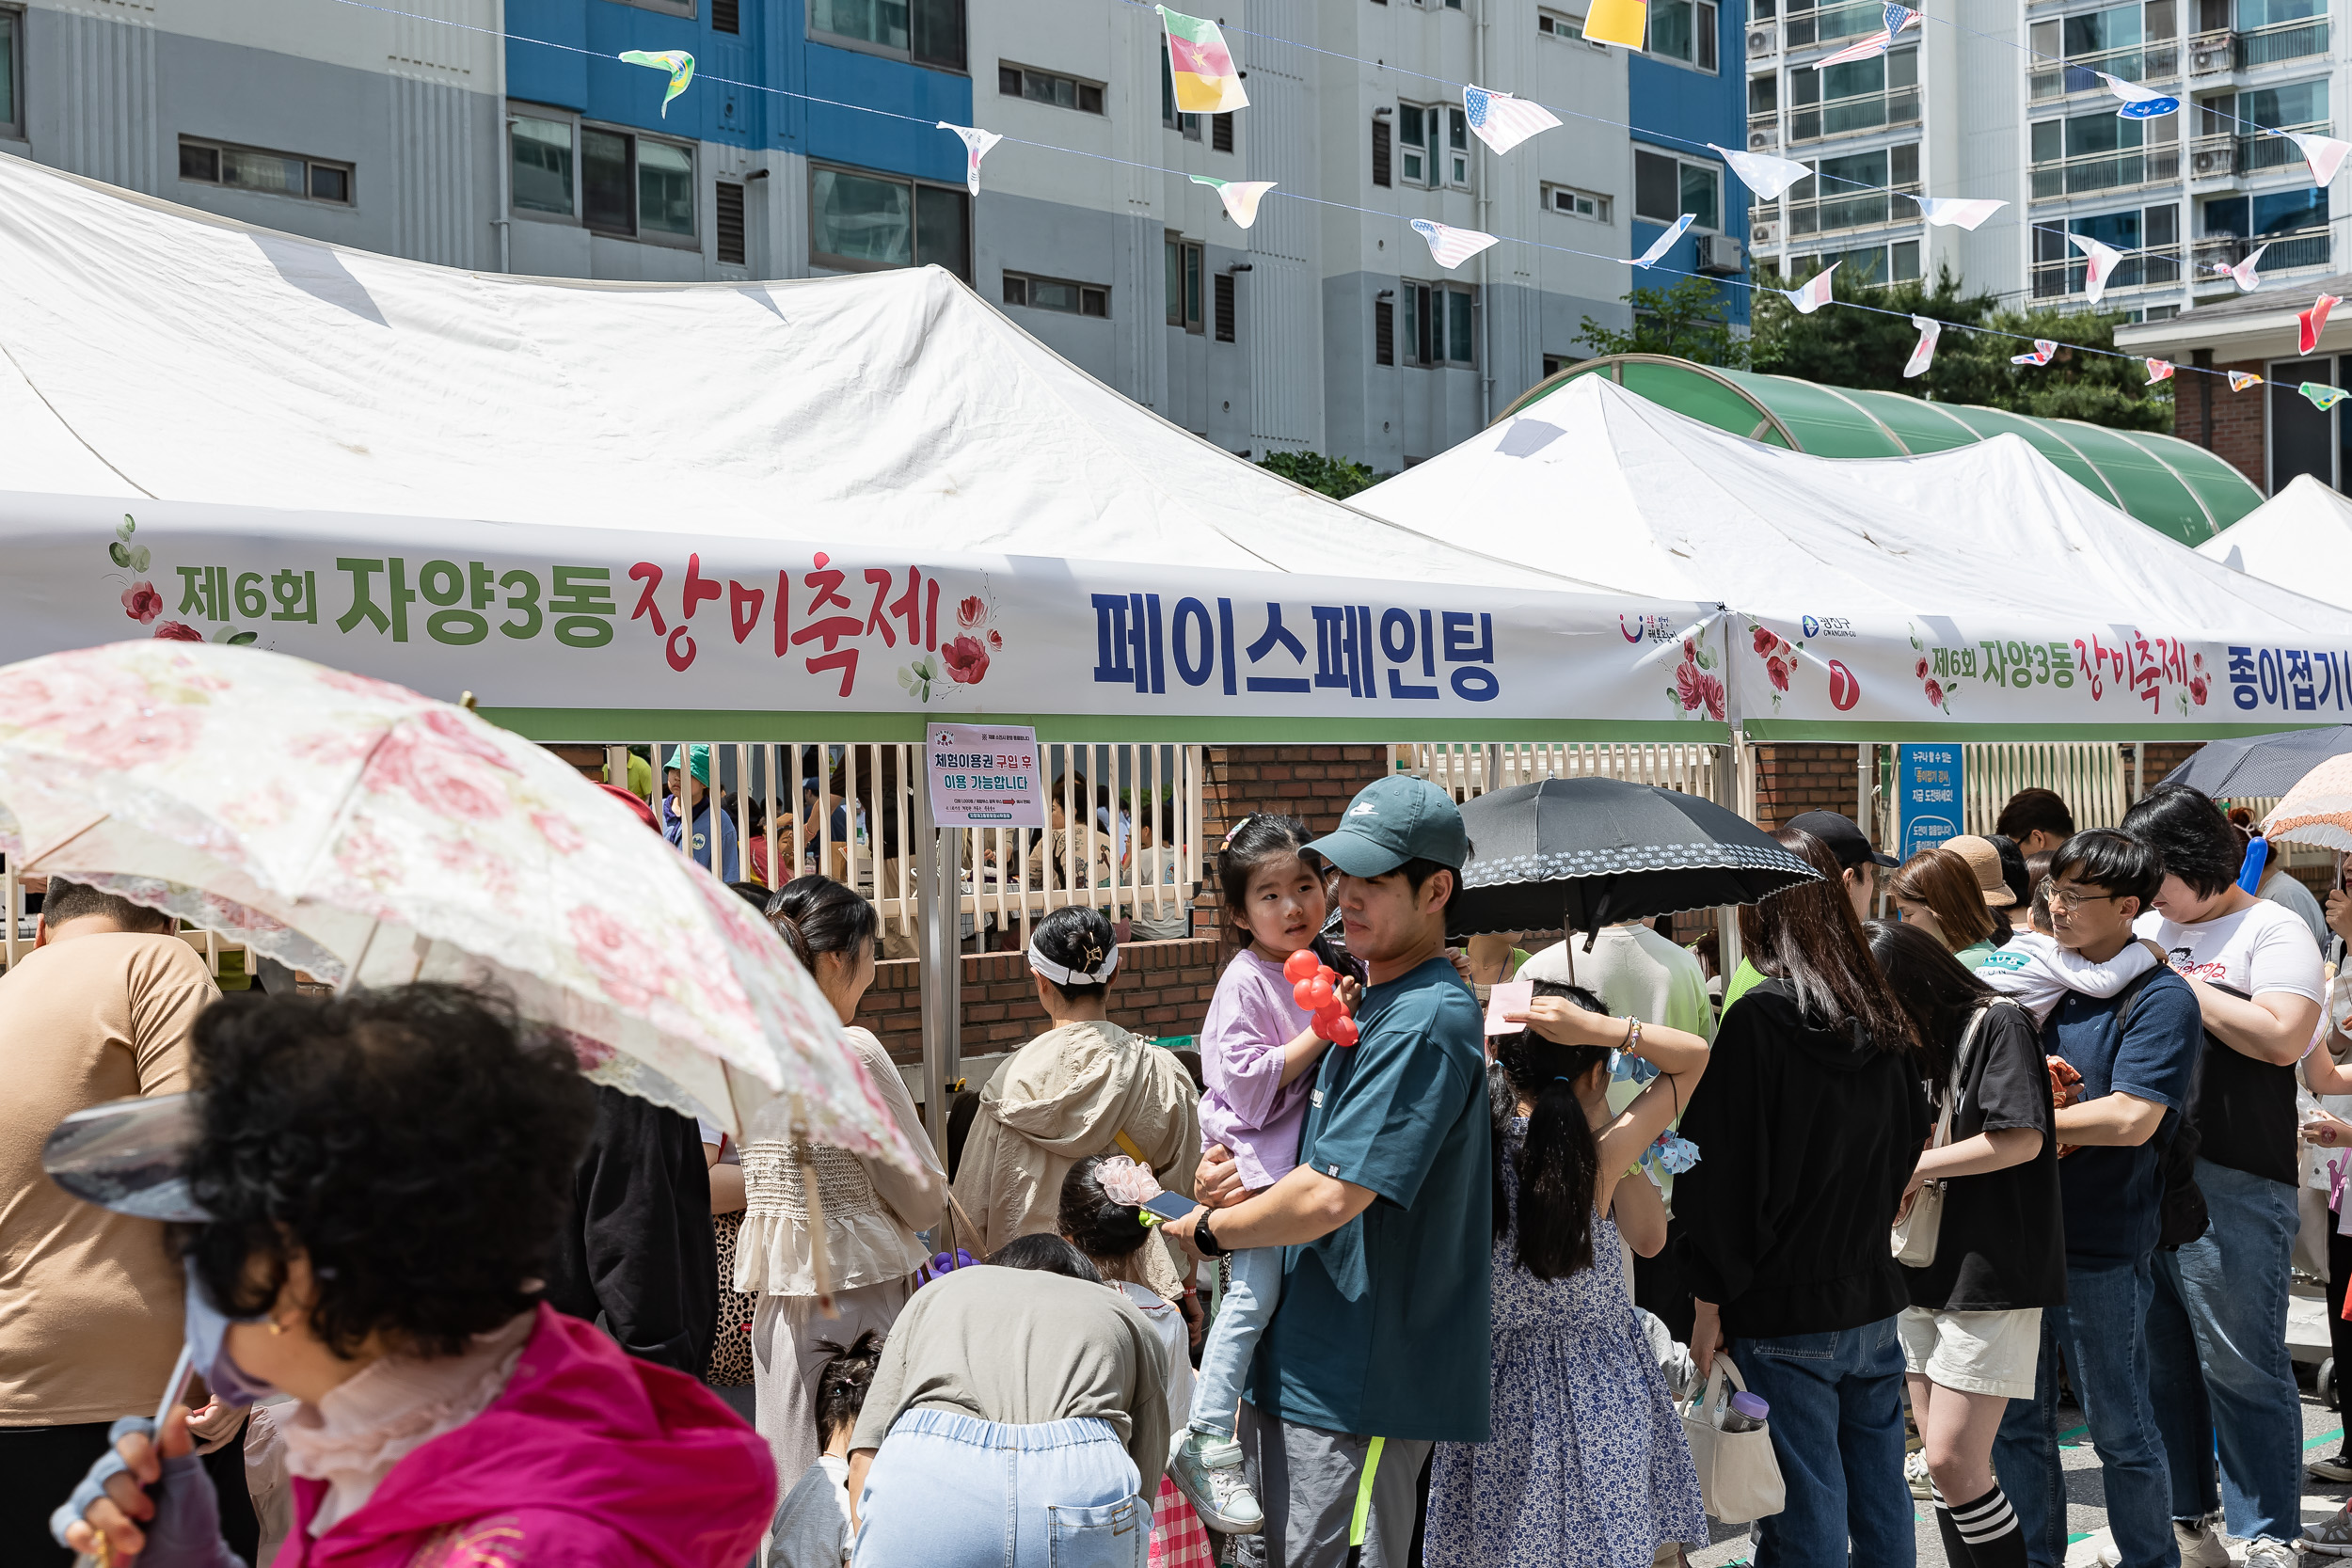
point(1086, 1087)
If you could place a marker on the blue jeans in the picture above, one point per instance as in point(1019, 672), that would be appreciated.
point(2102, 1332)
point(1837, 1430)
point(2217, 1342)
point(953, 1491)
point(1249, 1300)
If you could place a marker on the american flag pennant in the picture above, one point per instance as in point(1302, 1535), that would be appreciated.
point(1924, 354)
point(1897, 18)
point(1450, 246)
point(2243, 272)
point(1241, 197)
point(1502, 122)
point(2139, 103)
point(2103, 260)
point(1659, 246)
point(2240, 380)
point(2042, 349)
point(1815, 293)
point(1767, 176)
point(2311, 323)
point(1954, 212)
point(2159, 369)
point(2324, 153)
point(976, 146)
point(2323, 396)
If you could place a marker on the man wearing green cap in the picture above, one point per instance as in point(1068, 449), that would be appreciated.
point(1380, 1345)
point(729, 867)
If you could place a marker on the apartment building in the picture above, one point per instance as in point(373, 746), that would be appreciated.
point(507, 135)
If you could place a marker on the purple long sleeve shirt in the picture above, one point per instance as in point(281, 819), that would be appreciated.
point(1248, 1107)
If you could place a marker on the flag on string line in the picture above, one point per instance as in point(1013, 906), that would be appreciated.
point(1815, 293)
point(1659, 246)
point(678, 62)
point(2324, 153)
point(1200, 66)
point(2159, 369)
point(2243, 272)
point(1241, 197)
point(2323, 396)
point(2101, 264)
point(1897, 19)
point(2311, 323)
point(2240, 380)
point(1924, 354)
point(1954, 212)
point(1619, 22)
point(976, 146)
point(2042, 349)
point(1767, 176)
point(2139, 103)
point(1449, 246)
point(1502, 122)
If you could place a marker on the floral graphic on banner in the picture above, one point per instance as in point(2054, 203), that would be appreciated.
point(144, 604)
point(1697, 684)
point(1779, 655)
point(1936, 676)
point(963, 658)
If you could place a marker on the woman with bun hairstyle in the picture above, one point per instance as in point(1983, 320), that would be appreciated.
point(872, 1209)
point(1084, 1086)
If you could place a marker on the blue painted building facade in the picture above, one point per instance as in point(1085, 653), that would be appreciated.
point(1684, 95)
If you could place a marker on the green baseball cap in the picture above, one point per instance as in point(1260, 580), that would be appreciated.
point(698, 758)
point(1393, 820)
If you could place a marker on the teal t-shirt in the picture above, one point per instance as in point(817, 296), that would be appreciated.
point(1383, 1328)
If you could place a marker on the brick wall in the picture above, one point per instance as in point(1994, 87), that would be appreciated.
point(1163, 987)
point(1311, 783)
point(2237, 420)
point(1792, 780)
point(2160, 757)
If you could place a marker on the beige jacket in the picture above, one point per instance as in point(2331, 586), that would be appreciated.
point(1066, 1094)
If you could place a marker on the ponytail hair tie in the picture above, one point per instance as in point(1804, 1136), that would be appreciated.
point(1230, 833)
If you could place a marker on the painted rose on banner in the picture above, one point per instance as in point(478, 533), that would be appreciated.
point(1697, 683)
point(1780, 658)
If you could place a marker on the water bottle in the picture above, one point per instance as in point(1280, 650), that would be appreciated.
point(1746, 1414)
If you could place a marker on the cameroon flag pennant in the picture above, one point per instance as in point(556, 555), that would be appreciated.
point(1202, 67)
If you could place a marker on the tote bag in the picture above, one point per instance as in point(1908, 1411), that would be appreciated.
point(1739, 1473)
point(1916, 1233)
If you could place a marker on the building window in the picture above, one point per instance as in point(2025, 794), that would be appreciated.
point(1877, 263)
point(1665, 188)
point(12, 74)
point(1582, 204)
point(1381, 160)
point(727, 218)
point(1383, 331)
point(1183, 283)
point(1221, 132)
point(635, 186)
point(1058, 293)
point(1439, 318)
point(865, 222)
point(1188, 124)
point(726, 16)
point(1554, 364)
point(1042, 86)
point(249, 168)
point(2150, 238)
point(1224, 296)
point(540, 157)
point(1763, 96)
point(1559, 24)
point(1683, 30)
point(928, 32)
point(1435, 145)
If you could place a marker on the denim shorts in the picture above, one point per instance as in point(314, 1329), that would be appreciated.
point(952, 1491)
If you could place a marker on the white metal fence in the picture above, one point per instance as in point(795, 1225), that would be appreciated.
point(1465, 770)
point(2096, 780)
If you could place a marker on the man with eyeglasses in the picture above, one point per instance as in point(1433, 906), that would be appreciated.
point(2136, 1052)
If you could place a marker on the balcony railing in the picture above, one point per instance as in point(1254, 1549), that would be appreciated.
point(2210, 54)
point(2151, 62)
point(1868, 111)
point(2256, 153)
point(2301, 248)
point(1827, 215)
point(1831, 23)
point(2107, 171)
point(2281, 42)
point(2157, 266)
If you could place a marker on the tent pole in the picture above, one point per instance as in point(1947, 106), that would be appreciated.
point(1727, 915)
point(940, 963)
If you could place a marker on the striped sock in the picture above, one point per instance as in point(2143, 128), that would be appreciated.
point(1955, 1549)
point(1990, 1527)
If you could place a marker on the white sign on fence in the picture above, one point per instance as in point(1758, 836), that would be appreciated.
point(984, 776)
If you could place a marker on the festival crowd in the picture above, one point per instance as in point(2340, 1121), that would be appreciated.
point(451, 1305)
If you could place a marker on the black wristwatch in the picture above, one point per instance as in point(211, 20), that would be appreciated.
point(1204, 1240)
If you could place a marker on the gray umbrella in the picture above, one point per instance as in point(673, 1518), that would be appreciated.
point(2260, 767)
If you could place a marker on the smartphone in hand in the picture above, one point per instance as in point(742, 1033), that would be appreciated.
point(1171, 1206)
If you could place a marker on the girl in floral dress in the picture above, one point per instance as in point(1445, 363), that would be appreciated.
point(1586, 1467)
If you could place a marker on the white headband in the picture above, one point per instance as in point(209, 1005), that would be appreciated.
point(1067, 978)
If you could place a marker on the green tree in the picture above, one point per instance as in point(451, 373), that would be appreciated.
point(1335, 477)
point(1845, 346)
point(1689, 321)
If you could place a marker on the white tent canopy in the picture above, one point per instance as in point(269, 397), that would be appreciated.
point(2300, 538)
point(1973, 589)
point(642, 498)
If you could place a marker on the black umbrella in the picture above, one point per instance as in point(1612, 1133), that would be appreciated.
point(1585, 853)
point(2259, 767)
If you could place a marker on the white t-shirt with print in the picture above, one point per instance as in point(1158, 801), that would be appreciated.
point(2264, 947)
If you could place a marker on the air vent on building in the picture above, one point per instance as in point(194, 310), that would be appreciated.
point(730, 205)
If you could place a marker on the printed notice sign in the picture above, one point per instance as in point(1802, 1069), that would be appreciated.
point(984, 776)
point(1930, 784)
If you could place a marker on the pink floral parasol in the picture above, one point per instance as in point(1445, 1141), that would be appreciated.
point(2318, 810)
point(366, 833)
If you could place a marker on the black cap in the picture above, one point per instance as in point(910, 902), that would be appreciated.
point(1844, 839)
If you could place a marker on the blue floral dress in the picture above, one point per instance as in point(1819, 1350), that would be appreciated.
point(1587, 1466)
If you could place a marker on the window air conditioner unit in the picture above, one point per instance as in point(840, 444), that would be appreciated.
point(1720, 254)
point(2210, 162)
point(1764, 40)
point(1764, 138)
point(1766, 233)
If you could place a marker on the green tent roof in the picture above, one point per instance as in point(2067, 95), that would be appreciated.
point(2177, 488)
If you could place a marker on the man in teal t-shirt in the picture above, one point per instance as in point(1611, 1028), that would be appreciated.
point(1381, 1344)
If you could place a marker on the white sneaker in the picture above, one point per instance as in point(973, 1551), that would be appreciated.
point(1206, 1468)
point(1916, 1472)
point(2331, 1537)
point(2338, 1468)
point(2201, 1546)
point(2267, 1552)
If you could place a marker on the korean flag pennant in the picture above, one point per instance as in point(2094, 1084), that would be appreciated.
point(2324, 153)
point(1952, 211)
point(2042, 349)
point(1450, 246)
point(2311, 323)
point(1502, 122)
point(2103, 260)
point(2322, 396)
point(2159, 369)
point(2248, 280)
point(1241, 197)
point(2240, 380)
point(1767, 176)
point(1665, 241)
point(1923, 355)
point(1816, 293)
point(976, 146)
point(2139, 103)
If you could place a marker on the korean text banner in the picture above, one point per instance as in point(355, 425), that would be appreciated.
point(537, 618)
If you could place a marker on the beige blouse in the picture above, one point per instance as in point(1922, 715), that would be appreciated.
point(872, 1209)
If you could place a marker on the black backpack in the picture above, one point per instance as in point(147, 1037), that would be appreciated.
point(2182, 1217)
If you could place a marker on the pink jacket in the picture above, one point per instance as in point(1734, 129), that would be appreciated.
point(587, 1459)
